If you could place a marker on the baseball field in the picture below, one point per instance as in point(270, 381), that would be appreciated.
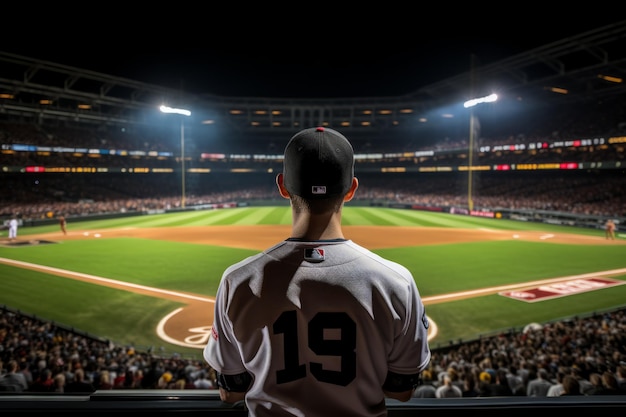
point(148, 280)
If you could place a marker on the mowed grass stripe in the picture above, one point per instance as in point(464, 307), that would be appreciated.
point(276, 215)
point(414, 217)
point(263, 216)
point(390, 217)
point(446, 220)
point(353, 216)
point(252, 216)
point(375, 217)
point(226, 217)
point(384, 216)
point(195, 218)
point(163, 220)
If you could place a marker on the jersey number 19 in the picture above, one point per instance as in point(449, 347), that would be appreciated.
point(344, 347)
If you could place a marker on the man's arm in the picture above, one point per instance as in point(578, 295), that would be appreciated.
point(400, 387)
point(231, 397)
point(233, 388)
point(400, 396)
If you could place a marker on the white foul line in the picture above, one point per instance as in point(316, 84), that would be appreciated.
point(520, 285)
point(101, 279)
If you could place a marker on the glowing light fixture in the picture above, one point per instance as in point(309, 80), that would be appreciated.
point(184, 112)
point(487, 99)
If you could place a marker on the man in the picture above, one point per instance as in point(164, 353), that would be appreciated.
point(317, 325)
point(540, 385)
point(13, 379)
point(63, 224)
point(609, 229)
point(13, 228)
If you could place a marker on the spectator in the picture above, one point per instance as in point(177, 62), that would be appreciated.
point(596, 380)
point(59, 381)
point(43, 382)
point(484, 379)
point(556, 390)
point(165, 380)
point(203, 382)
point(608, 385)
point(539, 386)
point(453, 373)
point(152, 377)
point(571, 386)
point(448, 389)
point(516, 381)
point(79, 383)
point(470, 388)
point(104, 381)
point(620, 374)
point(13, 380)
point(426, 387)
point(499, 387)
point(585, 385)
point(25, 369)
point(127, 380)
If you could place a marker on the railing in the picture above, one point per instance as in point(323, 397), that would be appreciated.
point(206, 403)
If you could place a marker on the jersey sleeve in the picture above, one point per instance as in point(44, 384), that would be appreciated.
point(221, 351)
point(411, 352)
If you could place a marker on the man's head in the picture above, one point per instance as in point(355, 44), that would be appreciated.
point(318, 164)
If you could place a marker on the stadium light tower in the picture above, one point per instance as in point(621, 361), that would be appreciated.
point(474, 129)
point(183, 112)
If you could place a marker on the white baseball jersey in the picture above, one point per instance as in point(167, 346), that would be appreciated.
point(318, 325)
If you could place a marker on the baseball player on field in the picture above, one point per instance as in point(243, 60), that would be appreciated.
point(317, 325)
point(13, 224)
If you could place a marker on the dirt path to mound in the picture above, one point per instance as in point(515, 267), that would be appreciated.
point(372, 237)
point(190, 326)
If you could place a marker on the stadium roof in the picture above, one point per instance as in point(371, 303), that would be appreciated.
point(586, 67)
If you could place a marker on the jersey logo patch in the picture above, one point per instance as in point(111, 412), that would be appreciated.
point(314, 254)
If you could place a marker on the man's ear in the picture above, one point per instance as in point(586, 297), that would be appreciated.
point(280, 182)
point(350, 194)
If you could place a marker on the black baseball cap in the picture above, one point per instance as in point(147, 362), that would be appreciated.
point(318, 164)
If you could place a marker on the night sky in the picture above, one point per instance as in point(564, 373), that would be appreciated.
point(248, 53)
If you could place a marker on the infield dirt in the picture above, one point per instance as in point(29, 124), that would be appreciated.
point(373, 237)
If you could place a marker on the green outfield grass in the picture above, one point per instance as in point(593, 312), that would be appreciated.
point(128, 318)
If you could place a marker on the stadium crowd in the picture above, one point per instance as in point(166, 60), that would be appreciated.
point(599, 194)
point(539, 361)
point(587, 353)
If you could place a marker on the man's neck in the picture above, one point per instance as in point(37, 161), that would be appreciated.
point(307, 226)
